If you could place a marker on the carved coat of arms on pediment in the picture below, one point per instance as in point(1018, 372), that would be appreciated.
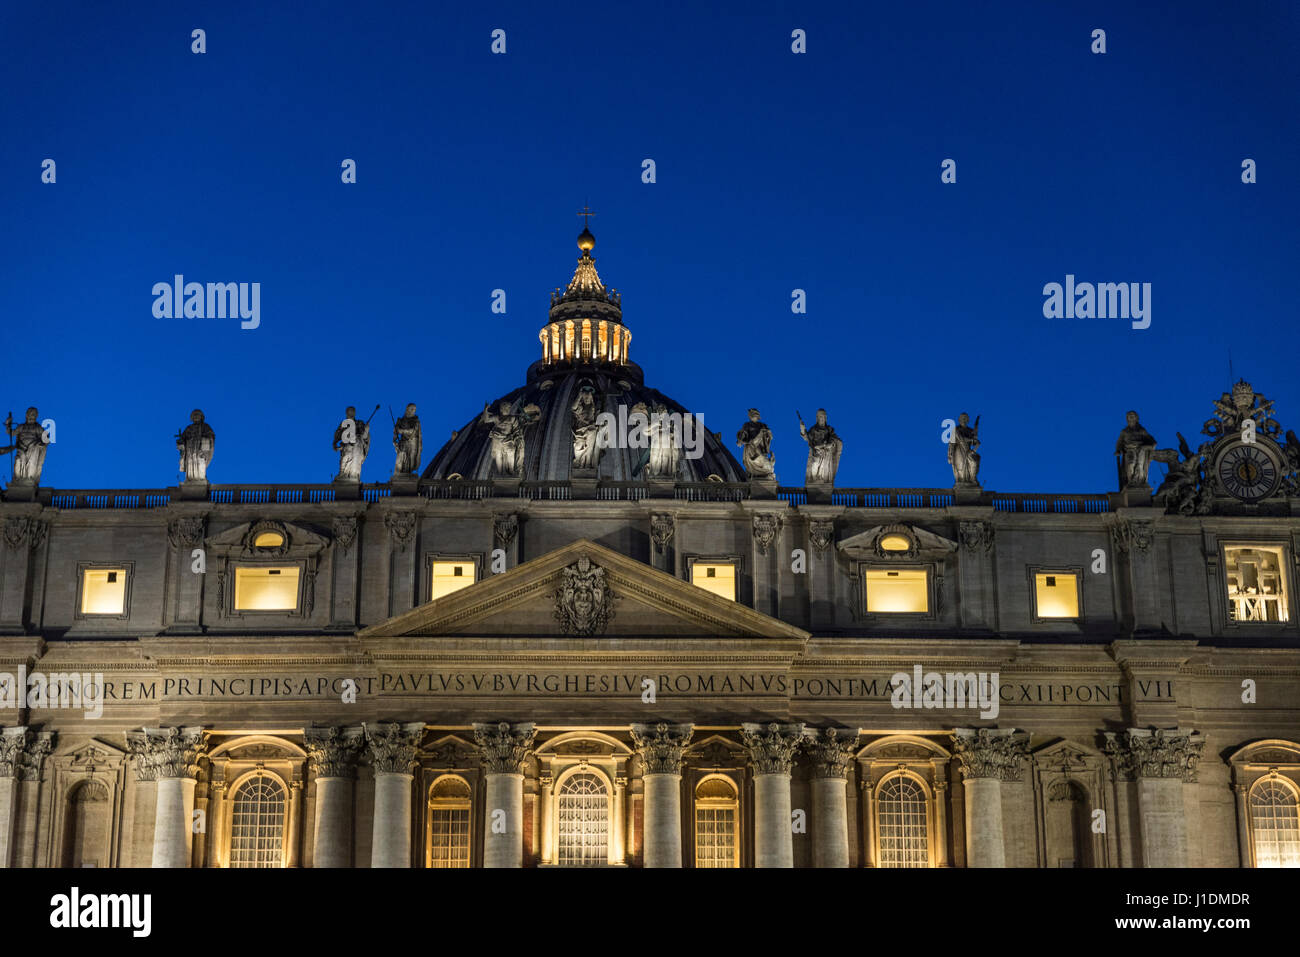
point(584, 603)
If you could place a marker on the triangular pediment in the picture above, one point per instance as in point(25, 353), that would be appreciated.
point(537, 599)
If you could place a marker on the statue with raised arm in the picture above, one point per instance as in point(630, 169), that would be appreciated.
point(586, 450)
point(1183, 490)
point(507, 437)
point(29, 447)
point(408, 442)
point(755, 438)
point(963, 458)
point(352, 443)
point(1133, 449)
point(196, 445)
point(824, 448)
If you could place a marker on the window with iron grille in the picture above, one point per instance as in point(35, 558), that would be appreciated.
point(901, 823)
point(257, 824)
point(583, 819)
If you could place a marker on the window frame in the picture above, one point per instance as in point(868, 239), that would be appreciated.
point(732, 804)
point(927, 800)
point(232, 802)
point(931, 588)
point(1273, 778)
point(465, 803)
point(296, 612)
point(82, 567)
point(1288, 582)
point(476, 559)
point(1033, 571)
point(734, 560)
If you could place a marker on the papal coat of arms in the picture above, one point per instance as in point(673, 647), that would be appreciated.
point(584, 605)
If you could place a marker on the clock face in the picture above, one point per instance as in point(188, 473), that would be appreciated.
point(1248, 471)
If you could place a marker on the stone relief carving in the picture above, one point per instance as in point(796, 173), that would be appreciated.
point(504, 528)
point(196, 445)
point(507, 437)
point(662, 527)
point(977, 535)
point(345, 531)
point(661, 746)
point(1184, 489)
point(186, 531)
point(1156, 753)
point(772, 746)
point(266, 526)
point(505, 747)
point(401, 528)
point(990, 752)
point(167, 752)
point(584, 603)
point(755, 438)
point(19, 530)
point(393, 746)
point(963, 458)
point(767, 526)
point(333, 752)
point(1131, 535)
point(821, 534)
point(824, 449)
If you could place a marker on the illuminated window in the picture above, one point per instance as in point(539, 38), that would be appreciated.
point(717, 577)
point(266, 589)
point(568, 340)
point(602, 341)
point(586, 339)
point(895, 543)
point(1257, 586)
point(257, 824)
point(715, 824)
point(891, 591)
point(450, 576)
point(449, 823)
point(1056, 594)
point(582, 813)
point(268, 540)
point(902, 823)
point(1275, 824)
point(103, 591)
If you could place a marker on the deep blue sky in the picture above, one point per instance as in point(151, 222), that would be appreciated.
point(775, 171)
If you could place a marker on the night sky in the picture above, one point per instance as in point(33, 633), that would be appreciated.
point(775, 171)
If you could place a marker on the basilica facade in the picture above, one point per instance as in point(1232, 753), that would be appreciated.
point(587, 633)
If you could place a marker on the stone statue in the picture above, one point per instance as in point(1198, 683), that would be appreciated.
point(352, 443)
point(1134, 448)
point(756, 440)
point(824, 448)
point(586, 450)
point(196, 445)
point(507, 437)
point(963, 458)
point(408, 442)
point(1182, 491)
point(29, 446)
point(665, 443)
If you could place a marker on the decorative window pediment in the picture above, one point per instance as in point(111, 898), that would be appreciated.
point(898, 542)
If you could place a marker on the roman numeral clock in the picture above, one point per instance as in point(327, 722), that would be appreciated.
point(1248, 471)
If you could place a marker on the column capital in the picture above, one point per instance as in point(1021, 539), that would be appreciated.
point(333, 752)
point(831, 751)
point(991, 752)
point(393, 746)
point(505, 745)
point(661, 745)
point(772, 745)
point(167, 752)
point(23, 751)
point(1155, 753)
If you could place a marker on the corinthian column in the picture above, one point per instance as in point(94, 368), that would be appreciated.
point(170, 756)
point(988, 757)
point(771, 752)
point(333, 753)
point(505, 748)
point(392, 754)
point(831, 752)
point(661, 746)
point(1160, 761)
point(22, 755)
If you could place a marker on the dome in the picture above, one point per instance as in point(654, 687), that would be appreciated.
point(584, 345)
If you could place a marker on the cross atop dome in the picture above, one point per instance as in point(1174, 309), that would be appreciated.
point(586, 318)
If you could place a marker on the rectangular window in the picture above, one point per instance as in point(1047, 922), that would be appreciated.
point(1257, 585)
point(717, 577)
point(1056, 595)
point(267, 589)
point(715, 836)
point(450, 576)
point(450, 847)
point(894, 591)
point(103, 591)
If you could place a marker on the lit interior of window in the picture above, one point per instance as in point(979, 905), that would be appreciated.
point(268, 540)
point(451, 576)
point(895, 543)
point(1256, 576)
point(266, 589)
point(1057, 594)
point(719, 578)
point(892, 591)
point(103, 591)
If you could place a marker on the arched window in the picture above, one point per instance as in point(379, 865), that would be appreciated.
point(257, 823)
point(716, 807)
point(85, 841)
point(901, 823)
point(583, 819)
point(1275, 824)
point(449, 807)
